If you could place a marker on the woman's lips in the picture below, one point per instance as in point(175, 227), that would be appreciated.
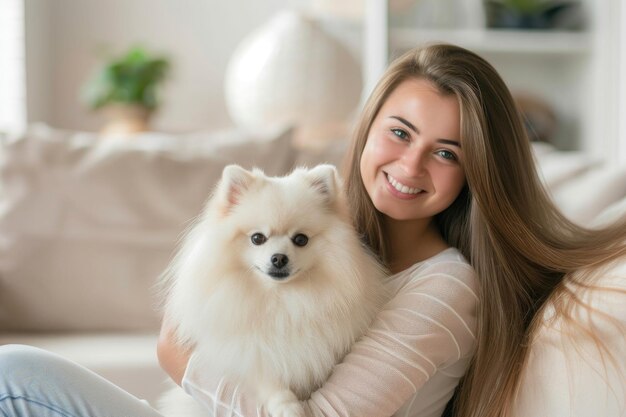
point(400, 190)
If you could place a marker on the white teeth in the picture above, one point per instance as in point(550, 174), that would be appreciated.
point(401, 187)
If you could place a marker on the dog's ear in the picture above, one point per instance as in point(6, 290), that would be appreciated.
point(235, 181)
point(325, 179)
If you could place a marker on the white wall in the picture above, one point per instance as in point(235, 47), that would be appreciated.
point(64, 38)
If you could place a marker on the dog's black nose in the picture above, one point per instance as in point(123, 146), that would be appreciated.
point(279, 260)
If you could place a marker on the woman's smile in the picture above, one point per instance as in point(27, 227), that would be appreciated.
point(401, 190)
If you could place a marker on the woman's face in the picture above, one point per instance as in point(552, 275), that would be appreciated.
point(412, 163)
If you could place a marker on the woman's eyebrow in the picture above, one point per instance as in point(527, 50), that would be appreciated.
point(406, 122)
point(416, 130)
point(449, 142)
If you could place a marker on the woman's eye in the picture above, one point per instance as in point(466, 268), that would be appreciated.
point(300, 240)
point(447, 155)
point(258, 239)
point(400, 133)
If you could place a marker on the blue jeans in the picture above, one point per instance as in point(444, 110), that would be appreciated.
point(36, 383)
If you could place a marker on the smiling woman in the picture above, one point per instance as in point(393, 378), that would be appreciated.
point(441, 120)
point(411, 167)
point(411, 163)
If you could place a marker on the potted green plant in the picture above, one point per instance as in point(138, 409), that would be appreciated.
point(125, 89)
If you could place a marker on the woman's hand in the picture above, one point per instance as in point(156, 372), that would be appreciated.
point(173, 357)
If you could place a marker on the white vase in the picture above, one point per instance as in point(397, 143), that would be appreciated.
point(291, 73)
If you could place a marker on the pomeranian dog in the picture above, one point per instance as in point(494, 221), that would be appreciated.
point(272, 286)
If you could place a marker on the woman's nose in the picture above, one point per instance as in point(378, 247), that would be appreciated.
point(414, 161)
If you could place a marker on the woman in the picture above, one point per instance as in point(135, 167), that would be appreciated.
point(410, 169)
point(441, 171)
point(441, 121)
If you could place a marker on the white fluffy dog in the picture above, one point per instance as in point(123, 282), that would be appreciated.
point(272, 285)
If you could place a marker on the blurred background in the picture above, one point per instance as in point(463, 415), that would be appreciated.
point(564, 60)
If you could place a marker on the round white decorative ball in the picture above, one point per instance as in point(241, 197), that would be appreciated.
point(291, 73)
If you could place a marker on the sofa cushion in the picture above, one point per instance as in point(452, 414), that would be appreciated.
point(88, 224)
point(557, 167)
point(611, 214)
point(583, 197)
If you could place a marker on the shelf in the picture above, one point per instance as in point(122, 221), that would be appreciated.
point(497, 40)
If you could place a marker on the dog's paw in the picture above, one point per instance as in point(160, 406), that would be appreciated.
point(284, 404)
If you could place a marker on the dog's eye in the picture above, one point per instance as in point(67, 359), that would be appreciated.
point(258, 239)
point(300, 239)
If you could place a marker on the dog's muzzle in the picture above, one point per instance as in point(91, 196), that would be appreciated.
point(280, 266)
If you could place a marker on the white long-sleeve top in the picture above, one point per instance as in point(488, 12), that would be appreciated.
point(577, 368)
point(408, 362)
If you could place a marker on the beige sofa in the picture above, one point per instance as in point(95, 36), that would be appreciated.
point(87, 224)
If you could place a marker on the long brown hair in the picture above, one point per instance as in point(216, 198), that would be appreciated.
point(504, 223)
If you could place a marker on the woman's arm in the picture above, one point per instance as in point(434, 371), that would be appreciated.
point(427, 327)
point(173, 358)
